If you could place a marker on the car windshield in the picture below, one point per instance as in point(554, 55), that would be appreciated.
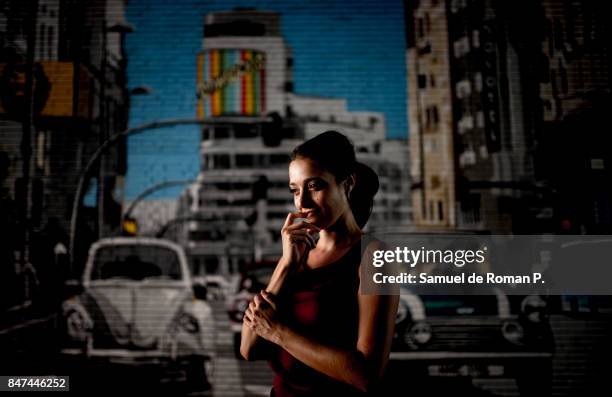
point(136, 262)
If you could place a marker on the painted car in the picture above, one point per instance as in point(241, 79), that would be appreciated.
point(138, 307)
point(489, 337)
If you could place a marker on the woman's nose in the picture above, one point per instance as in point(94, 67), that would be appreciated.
point(305, 201)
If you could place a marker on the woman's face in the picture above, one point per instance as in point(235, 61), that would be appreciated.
point(316, 193)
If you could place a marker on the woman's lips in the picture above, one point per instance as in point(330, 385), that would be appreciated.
point(308, 214)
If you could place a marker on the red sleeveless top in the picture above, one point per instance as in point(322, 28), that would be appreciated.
point(321, 304)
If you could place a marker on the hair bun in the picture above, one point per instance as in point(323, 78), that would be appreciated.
point(368, 182)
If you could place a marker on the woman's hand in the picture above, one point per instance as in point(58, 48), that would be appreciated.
point(260, 316)
point(297, 239)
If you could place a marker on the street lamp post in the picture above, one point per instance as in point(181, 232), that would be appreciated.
point(114, 139)
point(26, 143)
point(103, 132)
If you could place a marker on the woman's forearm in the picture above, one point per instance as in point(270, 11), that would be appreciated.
point(249, 339)
point(350, 367)
point(279, 276)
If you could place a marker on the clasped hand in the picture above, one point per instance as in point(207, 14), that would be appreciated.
point(260, 316)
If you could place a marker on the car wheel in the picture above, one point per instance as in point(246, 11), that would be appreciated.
point(198, 373)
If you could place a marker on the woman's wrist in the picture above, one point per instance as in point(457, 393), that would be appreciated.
point(279, 335)
point(284, 262)
point(278, 277)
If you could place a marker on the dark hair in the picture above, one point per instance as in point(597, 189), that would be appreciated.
point(335, 153)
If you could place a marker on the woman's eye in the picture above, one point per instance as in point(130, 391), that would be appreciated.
point(293, 191)
point(313, 185)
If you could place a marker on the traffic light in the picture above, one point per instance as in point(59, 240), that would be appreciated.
point(272, 132)
point(129, 227)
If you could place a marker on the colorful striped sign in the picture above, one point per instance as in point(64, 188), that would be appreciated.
point(231, 82)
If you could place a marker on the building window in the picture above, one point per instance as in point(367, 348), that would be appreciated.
point(221, 161)
point(430, 144)
point(432, 216)
point(480, 123)
point(206, 134)
point(484, 152)
point(468, 157)
point(245, 160)
point(478, 82)
point(422, 81)
point(475, 39)
point(471, 209)
point(463, 89)
point(432, 117)
point(435, 182)
point(461, 47)
point(465, 123)
point(440, 211)
point(222, 133)
point(420, 29)
point(245, 131)
point(458, 5)
point(279, 159)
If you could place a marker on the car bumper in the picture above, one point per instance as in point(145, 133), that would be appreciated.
point(450, 355)
point(130, 357)
point(470, 364)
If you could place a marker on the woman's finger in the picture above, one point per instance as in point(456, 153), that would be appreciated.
point(303, 236)
point(290, 217)
point(302, 225)
point(247, 317)
point(301, 240)
point(258, 300)
point(308, 240)
point(268, 299)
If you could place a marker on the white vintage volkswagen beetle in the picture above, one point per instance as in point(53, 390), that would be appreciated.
point(138, 306)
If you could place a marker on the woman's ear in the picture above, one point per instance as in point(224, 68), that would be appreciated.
point(349, 184)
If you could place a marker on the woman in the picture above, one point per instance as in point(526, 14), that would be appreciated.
point(319, 333)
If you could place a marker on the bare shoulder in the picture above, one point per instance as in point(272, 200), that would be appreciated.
point(367, 269)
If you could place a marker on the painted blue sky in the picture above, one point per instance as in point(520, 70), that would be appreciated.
point(351, 49)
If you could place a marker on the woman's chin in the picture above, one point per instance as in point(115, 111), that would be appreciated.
point(314, 221)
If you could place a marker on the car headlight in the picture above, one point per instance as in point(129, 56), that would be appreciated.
point(513, 332)
point(533, 308)
point(189, 323)
point(77, 326)
point(238, 309)
point(402, 313)
point(418, 334)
